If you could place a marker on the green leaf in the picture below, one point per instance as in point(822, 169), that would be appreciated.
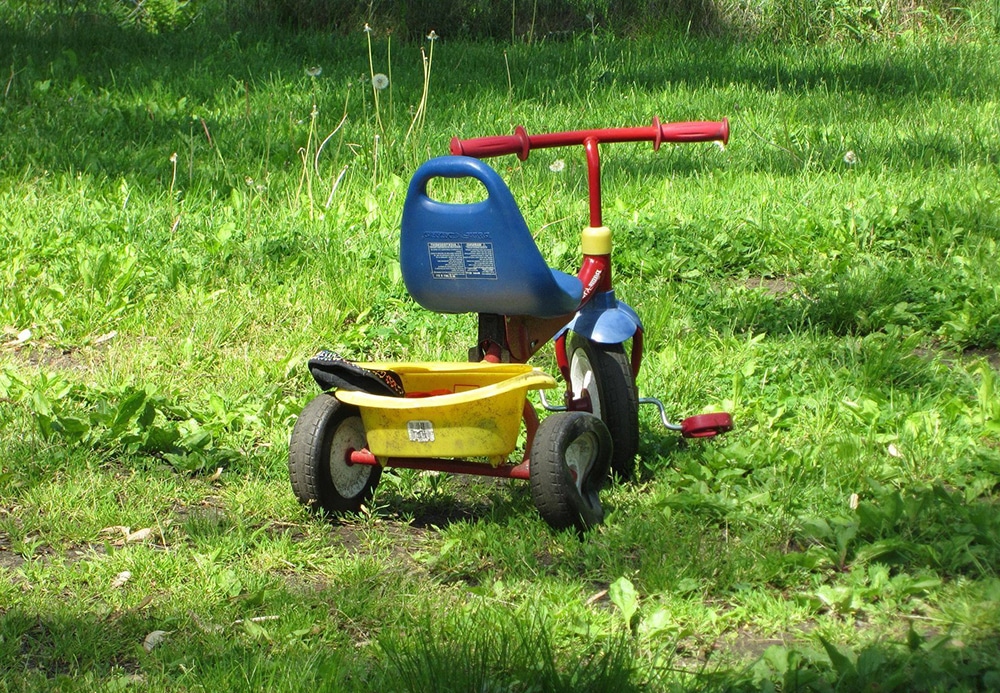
point(919, 585)
point(894, 549)
point(661, 620)
point(41, 404)
point(255, 599)
point(816, 528)
point(199, 439)
point(160, 438)
point(147, 416)
point(687, 585)
point(256, 631)
point(842, 660)
point(126, 411)
point(623, 595)
point(70, 427)
point(870, 661)
point(841, 598)
point(186, 462)
point(777, 657)
point(45, 426)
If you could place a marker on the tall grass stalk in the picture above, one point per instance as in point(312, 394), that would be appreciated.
point(322, 145)
point(170, 192)
point(307, 158)
point(426, 60)
point(375, 87)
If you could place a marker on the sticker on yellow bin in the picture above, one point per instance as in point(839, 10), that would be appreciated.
point(420, 431)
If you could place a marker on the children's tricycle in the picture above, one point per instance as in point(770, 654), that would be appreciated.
point(480, 258)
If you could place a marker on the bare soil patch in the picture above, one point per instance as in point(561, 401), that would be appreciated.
point(774, 286)
point(9, 559)
point(992, 356)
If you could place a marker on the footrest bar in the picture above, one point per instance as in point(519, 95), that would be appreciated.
point(663, 412)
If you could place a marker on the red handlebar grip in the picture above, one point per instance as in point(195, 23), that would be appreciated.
point(704, 131)
point(499, 145)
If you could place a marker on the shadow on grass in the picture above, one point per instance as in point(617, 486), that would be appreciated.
point(88, 95)
point(45, 651)
point(492, 649)
point(834, 68)
point(480, 649)
point(865, 298)
point(932, 527)
point(461, 498)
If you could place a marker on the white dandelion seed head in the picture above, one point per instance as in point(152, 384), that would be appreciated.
point(721, 145)
point(850, 158)
point(557, 166)
point(432, 36)
point(314, 71)
point(380, 81)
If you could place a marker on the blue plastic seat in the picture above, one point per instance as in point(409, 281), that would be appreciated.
point(477, 257)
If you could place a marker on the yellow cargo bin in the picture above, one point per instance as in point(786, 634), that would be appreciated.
point(480, 416)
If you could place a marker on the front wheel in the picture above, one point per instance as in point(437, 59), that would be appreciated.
point(604, 371)
point(569, 463)
point(322, 477)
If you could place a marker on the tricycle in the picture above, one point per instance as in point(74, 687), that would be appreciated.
point(467, 418)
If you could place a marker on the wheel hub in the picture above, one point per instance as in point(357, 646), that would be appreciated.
point(349, 479)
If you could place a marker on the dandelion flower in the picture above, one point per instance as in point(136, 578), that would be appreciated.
point(380, 81)
point(368, 29)
point(314, 71)
point(557, 166)
point(721, 145)
point(432, 36)
point(850, 158)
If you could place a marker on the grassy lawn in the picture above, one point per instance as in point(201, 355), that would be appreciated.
point(185, 219)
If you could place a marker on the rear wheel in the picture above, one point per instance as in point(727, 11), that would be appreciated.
point(604, 371)
point(322, 477)
point(569, 464)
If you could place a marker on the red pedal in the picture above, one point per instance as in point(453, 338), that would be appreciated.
point(706, 425)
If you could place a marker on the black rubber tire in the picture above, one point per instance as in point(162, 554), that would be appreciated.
point(613, 395)
point(325, 432)
point(569, 465)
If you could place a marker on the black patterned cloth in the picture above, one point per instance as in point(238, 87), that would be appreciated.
point(332, 372)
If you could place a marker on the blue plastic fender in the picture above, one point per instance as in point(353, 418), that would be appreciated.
point(605, 320)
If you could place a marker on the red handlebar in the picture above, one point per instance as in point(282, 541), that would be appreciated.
point(521, 142)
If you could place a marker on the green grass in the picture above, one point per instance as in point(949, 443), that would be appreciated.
point(157, 316)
